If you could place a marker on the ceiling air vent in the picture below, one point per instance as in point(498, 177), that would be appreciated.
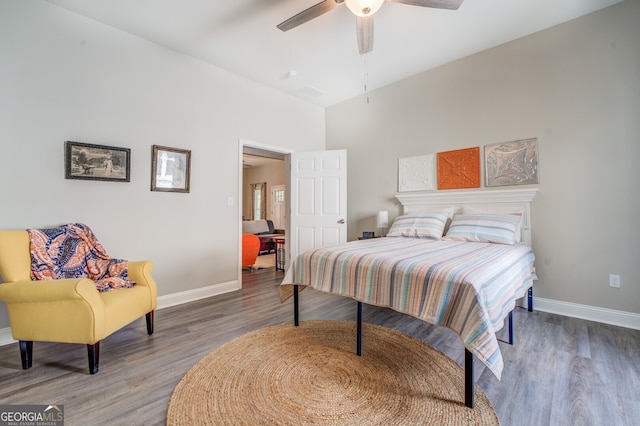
point(313, 91)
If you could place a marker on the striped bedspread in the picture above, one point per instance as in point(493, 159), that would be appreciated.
point(467, 287)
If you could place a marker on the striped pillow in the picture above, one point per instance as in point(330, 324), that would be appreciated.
point(495, 211)
point(484, 228)
point(419, 225)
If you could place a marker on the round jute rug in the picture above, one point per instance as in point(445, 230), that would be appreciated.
point(286, 375)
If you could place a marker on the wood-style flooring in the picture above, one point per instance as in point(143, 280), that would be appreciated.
point(561, 371)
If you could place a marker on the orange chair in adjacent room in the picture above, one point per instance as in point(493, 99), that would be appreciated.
point(250, 249)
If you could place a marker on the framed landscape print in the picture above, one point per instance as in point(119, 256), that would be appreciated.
point(170, 169)
point(96, 162)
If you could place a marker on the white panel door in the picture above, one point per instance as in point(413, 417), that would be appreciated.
point(318, 198)
point(278, 206)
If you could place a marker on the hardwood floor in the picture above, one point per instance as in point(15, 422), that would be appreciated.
point(561, 371)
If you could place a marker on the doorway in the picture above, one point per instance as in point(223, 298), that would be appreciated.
point(315, 197)
point(262, 166)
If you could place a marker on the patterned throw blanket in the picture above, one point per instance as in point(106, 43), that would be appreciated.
point(73, 251)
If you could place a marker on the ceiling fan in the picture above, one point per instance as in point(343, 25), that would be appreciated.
point(364, 11)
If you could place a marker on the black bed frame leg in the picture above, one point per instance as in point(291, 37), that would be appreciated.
point(530, 299)
point(511, 328)
point(359, 333)
point(468, 378)
point(296, 315)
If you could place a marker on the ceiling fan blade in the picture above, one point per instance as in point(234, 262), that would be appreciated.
point(364, 28)
point(310, 13)
point(437, 4)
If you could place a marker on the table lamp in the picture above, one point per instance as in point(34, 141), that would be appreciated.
point(383, 221)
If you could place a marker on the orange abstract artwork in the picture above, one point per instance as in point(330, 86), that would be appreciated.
point(459, 169)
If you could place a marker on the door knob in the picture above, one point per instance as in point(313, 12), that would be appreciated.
point(340, 221)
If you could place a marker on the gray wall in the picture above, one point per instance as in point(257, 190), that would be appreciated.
point(65, 77)
point(576, 87)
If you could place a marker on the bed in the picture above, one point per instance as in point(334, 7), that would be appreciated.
point(462, 260)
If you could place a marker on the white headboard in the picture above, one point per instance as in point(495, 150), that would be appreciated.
point(498, 200)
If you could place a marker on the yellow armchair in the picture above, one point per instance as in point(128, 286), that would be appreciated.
point(68, 310)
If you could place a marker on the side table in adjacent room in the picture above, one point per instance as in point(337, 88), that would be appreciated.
point(280, 251)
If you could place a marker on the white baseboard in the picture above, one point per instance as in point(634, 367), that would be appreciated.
point(163, 301)
point(590, 313)
point(197, 294)
point(5, 336)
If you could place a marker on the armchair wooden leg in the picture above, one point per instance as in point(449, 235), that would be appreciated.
point(93, 351)
point(149, 317)
point(26, 353)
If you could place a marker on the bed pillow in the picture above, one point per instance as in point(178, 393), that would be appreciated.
point(484, 228)
point(492, 211)
point(419, 225)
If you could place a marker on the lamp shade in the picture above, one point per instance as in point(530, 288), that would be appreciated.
point(363, 7)
point(383, 219)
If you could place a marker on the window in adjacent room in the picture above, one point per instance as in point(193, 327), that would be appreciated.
point(259, 200)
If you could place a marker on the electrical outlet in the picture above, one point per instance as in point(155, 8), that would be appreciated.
point(614, 281)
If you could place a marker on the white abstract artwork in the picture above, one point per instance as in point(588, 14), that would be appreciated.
point(417, 173)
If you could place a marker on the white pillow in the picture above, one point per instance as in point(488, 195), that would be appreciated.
point(484, 228)
point(420, 225)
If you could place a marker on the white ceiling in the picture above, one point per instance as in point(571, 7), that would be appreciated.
point(241, 36)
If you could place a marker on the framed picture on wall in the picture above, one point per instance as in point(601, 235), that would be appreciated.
point(170, 169)
point(96, 162)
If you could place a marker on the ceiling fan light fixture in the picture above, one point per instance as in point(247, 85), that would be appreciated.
point(363, 7)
